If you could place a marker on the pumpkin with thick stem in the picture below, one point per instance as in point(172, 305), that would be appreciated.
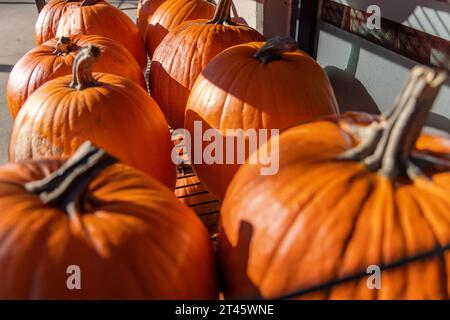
point(98, 17)
point(351, 192)
point(48, 19)
point(186, 51)
point(55, 58)
point(283, 87)
point(125, 231)
point(171, 14)
point(145, 11)
point(113, 112)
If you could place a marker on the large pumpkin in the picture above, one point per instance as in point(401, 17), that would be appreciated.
point(48, 19)
point(255, 86)
point(113, 112)
point(123, 233)
point(352, 193)
point(145, 11)
point(98, 17)
point(171, 14)
point(185, 51)
point(55, 58)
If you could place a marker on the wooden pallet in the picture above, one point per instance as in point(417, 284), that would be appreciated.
point(191, 191)
point(194, 194)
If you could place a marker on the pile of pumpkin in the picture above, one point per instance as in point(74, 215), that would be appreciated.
point(352, 190)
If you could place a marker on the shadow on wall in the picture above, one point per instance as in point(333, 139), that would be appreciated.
point(352, 95)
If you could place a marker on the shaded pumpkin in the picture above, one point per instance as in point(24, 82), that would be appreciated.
point(145, 11)
point(171, 14)
point(124, 231)
point(352, 191)
point(257, 85)
point(55, 58)
point(186, 51)
point(98, 17)
point(113, 112)
point(48, 19)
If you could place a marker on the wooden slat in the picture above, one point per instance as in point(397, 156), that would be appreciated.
point(194, 194)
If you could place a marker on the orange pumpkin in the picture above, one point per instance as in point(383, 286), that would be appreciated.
point(121, 231)
point(145, 11)
point(98, 17)
point(186, 51)
point(48, 19)
point(55, 58)
point(113, 112)
point(352, 192)
point(282, 87)
point(171, 14)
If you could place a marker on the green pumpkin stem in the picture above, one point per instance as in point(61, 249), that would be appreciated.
point(66, 188)
point(274, 48)
point(387, 145)
point(82, 68)
point(223, 13)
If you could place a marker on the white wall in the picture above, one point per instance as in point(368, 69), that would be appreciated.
point(270, 17)
point(367, 77)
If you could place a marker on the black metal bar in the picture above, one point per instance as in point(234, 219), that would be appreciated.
point(295, 15)
point(305, 24)
point(39, 4)
point(439, 250)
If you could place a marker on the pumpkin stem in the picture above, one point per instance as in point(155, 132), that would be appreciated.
point(223, 13)
point(64, 46)
point(387, 145)
point(87, 3)
point(66, 187)
point(274, 48)
point(82, 67)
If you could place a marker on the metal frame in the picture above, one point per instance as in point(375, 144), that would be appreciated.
point(39, 4)
point(416, 45)
point(304, 24)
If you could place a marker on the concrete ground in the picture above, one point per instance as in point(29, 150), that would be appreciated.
point(17, 19)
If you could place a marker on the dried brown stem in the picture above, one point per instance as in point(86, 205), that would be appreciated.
point(82, 68)
point(274, 48)
point(387, 146)
point(66, 188)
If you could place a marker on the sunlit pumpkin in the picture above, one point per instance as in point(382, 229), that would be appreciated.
point(145, 11)
point(118, 233)
point(256, 86)
point(98, 17)
point(113, 112)
point(185, 51)
point(55, 58)
point(171, 14)
point(352, 192)
point(48, 19)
